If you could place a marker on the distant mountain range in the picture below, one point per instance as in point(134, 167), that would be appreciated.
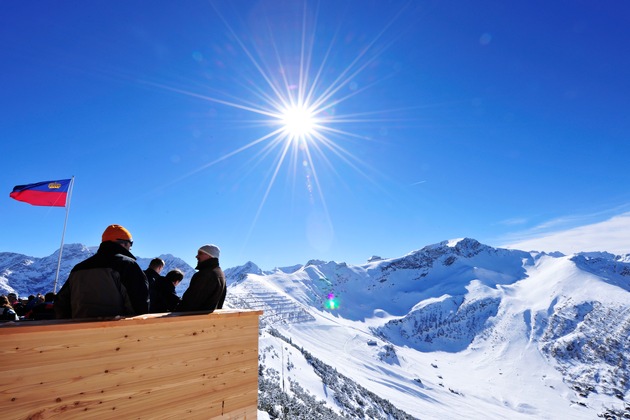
point(454, 330)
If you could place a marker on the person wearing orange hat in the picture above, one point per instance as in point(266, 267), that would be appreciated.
point(109, 283)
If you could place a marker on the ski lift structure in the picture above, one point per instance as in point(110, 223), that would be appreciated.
point(276, 307)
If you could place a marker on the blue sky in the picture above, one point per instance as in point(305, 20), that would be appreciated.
point(504, 122)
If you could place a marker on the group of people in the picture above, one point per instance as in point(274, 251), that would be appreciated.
point(111, 283)
point(36, 307)
point(162, 295)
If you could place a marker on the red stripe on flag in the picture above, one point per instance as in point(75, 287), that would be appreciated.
point(41, 198)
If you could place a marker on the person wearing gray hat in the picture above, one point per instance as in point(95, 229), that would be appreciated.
point(206, 291)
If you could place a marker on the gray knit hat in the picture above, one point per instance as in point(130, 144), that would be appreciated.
point(211, 250)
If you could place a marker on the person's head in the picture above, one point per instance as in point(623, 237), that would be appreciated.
point(208, 251)
point(50, 297)
point(157, 264)
point(12, 297)
point(175, 276)
point(4, 301)
point(118, 234)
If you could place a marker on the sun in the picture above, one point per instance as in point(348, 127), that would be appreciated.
point(299, 89)
point(298, 122)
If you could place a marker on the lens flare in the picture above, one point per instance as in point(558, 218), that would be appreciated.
point(331, 302)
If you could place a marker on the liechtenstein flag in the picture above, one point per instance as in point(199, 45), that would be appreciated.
point(47, 193)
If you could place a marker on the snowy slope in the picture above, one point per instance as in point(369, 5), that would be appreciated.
point(456, 330)
point(462, 330)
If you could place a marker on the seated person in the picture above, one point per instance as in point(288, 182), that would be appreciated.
point(43, 310)
point(6, 310)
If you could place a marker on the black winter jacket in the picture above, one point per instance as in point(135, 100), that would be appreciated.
point(206, 291)
point(109, 283)
point(163, 296)
point(152, 277)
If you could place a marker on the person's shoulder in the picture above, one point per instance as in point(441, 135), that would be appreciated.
point(87, 263)
point(128, 260)
point(125, 264)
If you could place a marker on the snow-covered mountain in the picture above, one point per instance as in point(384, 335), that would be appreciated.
point(455, 330)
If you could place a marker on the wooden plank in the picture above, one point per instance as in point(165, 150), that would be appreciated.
point(126, 379)
point(197, 366)
point(95, 339)
point(180, 398)
point(123, 351)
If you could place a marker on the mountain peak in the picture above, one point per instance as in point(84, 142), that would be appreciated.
point(467, 246)
point(236, 274)
point(315, 262)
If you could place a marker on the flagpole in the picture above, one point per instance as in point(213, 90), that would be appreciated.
point(65, 223)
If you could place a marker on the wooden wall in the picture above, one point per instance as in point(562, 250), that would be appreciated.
point(158, 366)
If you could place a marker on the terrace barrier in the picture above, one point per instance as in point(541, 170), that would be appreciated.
point(159, 366)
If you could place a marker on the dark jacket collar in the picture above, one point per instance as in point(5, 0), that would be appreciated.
point(211, 263)
point(114, 248)
point(152, 272)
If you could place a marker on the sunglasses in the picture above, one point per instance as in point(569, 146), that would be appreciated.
point(125, 240)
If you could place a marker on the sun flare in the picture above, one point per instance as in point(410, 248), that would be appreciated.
point(298, 89)
point(298, 122)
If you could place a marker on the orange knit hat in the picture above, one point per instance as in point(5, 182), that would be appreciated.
point(116, 233)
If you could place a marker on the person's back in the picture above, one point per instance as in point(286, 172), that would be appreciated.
point(107, 284)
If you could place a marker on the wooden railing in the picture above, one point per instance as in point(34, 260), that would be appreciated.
point(158, 366)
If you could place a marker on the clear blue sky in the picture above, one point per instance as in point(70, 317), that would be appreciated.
point(437, 119)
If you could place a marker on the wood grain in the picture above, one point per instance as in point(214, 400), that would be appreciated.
point(158, 366)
